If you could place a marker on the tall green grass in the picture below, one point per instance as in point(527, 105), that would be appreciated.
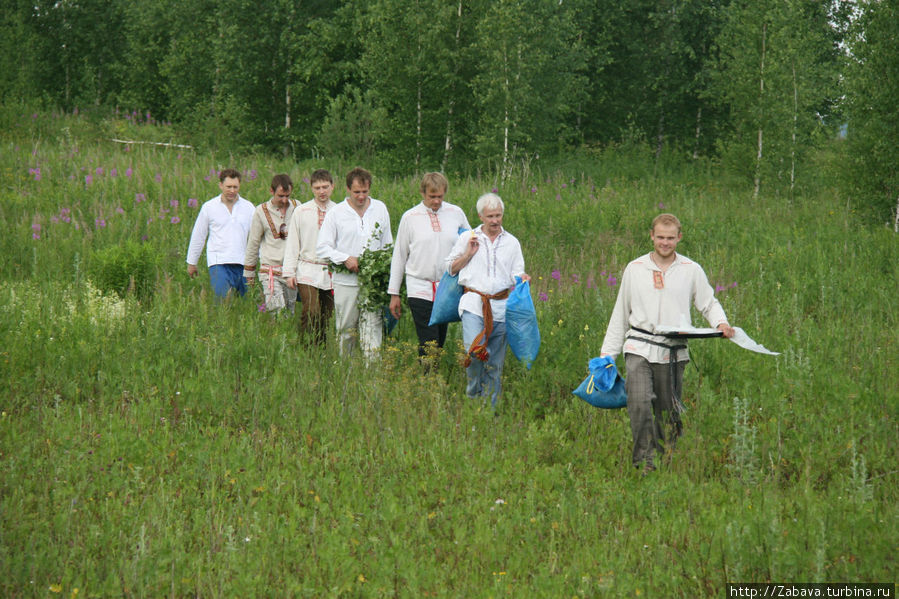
point(178, 447)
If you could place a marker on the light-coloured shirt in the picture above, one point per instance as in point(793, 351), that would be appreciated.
point(344, 234)
point(300, 260)
point(491, 270)
point(264, 245)
point(227, 231)
point(649, 297)
point(423, 240)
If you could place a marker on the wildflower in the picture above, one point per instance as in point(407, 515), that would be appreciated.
point(542, 297)
point(55, 588)
point(35, 236)
point(129, 172)
point(575, 279)
point(191, 202)
point(734, 284)
point(119, 210)
point(556, 275)
point(558, 196)
point(173, 203)
point(612, 280)
point(175, 220)
point(500, 501)
point(261, 307)
point(88, 179)
point(36, 227)
point(139, 197)
point(113, 172)
point(495, 190)
point(590, 282)
point(661, 206)
point(534, 189)
point(144, 237)
point(99, 170)
point(719, 288)
point(252, 175)
point(564, 185)
point(159, 177)
point(100, 223)
point(586, 327)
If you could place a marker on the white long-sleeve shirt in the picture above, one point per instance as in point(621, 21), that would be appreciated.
point(648, 298)
point(262, 244)
point(423, 240)
point(227, 231)
point(300, 260)
point(492, 269)
point(344, 234)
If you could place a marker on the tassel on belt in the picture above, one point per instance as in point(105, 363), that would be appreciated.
point(478, 347)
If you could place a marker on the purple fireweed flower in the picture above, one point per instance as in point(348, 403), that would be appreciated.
point(191, 202)
point(173, 203)
point(719, 288)
point(206, 178)
point(149, 220)
point(35, 236)
point(88, 179)
point(534, 189)
point(139, 197)
point(556, 275)
point(661, 206)
point(99, 170)
point(54, 219)
point(306, 180)
point(252, 175)
point(129, 172)
point(113, 172)
point(575, 279)
point(148, 116)
point(590, 282)
point(159, 177)
point(36, 227)
point(494, 190)
point(144, 237)
point(261, 307)
point(542, 297)
point(34, 115)
point(612, 281)
point(734, 284)
point(564, 185)
point(100, 222)
point(119, 210)
point(558, 196)
point(175, 220)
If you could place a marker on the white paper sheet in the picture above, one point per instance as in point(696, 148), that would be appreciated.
point(740, 337)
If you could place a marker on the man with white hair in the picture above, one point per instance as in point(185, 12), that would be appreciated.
point(487, 261)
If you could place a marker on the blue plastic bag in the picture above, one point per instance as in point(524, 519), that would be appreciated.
point(522, 330)
point(446, 300)
point(603, 387)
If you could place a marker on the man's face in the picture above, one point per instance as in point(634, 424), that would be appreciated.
point(281, 197)
point(433, 198)
point(230, 188)
point(322, 190)
point(358, 193)
point(493, 221)
point(665, 239)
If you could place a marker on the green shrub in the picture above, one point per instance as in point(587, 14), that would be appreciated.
point(124, 269)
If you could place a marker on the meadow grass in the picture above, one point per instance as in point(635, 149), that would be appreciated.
point(173, 446)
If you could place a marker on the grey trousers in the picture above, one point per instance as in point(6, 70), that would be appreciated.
point(655, 424)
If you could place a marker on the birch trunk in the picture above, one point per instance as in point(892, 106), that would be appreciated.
point(795, 126)
point(758, 157)
point(698, 131)
point(448, 140)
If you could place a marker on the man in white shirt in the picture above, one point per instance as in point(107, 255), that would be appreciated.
point(426, 234)
point(303, 270)
point(487, 261)
point(357, 224)
point(225, 220)
point(268, 236)
point(656, 289)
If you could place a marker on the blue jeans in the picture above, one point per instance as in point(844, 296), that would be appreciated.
point(225, 277)
point(485, 378)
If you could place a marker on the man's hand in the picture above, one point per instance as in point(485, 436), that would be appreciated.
point(292, 282)
point(726, 329)
point(396, 306)
point(352, 263)
point(191, 270)
point(525, 277)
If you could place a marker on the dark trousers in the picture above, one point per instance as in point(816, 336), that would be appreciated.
point(318, 305)
point(421, 315)
point(655, 423)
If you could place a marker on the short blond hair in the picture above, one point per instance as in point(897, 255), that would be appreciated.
point(434, 181)
point(665, 219)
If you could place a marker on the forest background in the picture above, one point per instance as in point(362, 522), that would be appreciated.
point(472, 86)
point(155, 443)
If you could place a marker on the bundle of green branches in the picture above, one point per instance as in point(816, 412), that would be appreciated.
point(374, 276)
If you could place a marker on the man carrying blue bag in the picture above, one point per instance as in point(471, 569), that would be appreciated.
point(657, 290)
point(487, 261)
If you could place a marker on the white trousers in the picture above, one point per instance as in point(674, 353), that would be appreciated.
point(353, 327)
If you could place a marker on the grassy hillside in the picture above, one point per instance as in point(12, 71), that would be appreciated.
point(165, 445)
